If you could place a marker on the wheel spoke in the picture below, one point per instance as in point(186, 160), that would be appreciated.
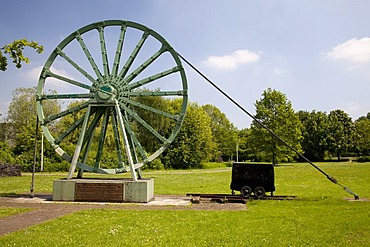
point(103, 134)
point(88, 140)
point(88, 145)
point(152, 109)
point(124, 136)
point(69, 130)
point(158, 93)
point(88, 55)
point(103, 51)
point(67, 96)
point(78, 68)
point(143, 66)
point(117, 140)
point(48, 73)
point(133, 55)
point(66, 112)
point(154, 77)
point(93, 125)
point(135, 142)
point(117, 57)
point(77, 151)
point(145, 124)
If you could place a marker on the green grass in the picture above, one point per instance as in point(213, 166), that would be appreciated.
point(7, 211)
point(321, 218)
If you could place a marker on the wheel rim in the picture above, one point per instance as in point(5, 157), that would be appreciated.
point(259, 192)
point(145, 68)
point(246, 191)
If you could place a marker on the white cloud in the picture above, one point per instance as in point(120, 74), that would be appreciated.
point(231, 61)
point(355, 51)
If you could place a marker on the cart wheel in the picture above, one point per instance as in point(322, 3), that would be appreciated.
point(259, 192)
point(246, 191)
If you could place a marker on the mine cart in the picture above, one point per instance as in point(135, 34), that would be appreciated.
point(251, 178)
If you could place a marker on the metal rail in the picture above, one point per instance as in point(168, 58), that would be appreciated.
point(331, 178)
point(222, 198)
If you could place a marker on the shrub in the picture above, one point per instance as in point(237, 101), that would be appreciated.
point(363, 159)
point(156, 164)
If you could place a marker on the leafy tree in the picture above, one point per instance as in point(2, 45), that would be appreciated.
point(159, 122)
point(224, 133)
point(245, 151)
point(315, 126)
point(193, 143)
point(365, 117)
point(275, 111)
point(363, 133)
point(341, 132)
point(22, 119)
point(15, 51)
point(6, 154)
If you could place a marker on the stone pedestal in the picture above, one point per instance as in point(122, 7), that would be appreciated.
point(103, 190)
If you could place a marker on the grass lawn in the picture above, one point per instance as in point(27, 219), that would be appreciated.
point(321, 218)
point(6, 211)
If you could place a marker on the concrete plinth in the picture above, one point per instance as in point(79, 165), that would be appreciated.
point(103, 190)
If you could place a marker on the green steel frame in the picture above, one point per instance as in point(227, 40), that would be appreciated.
point(109, 98)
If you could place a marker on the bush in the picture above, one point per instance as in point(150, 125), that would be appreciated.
point(363, 159)
point(156, 164)
point(57, 166)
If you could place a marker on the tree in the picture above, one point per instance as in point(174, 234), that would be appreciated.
point(244, 145)
point(341, 132)
point(224, 133)
point(363, 133)
point(21, 120)
point(315, 127)
point(193, 143)
point(364, 117)
point(159, 122)
point(15, 51)
point(275, 111)
point(6, 154)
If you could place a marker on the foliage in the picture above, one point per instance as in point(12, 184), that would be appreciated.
point(22, 119)
point(363, 159)
point(363, 136)
point(341, 133)
point(245, 151)
point(159, 122)
point(224, 134)
point(315, 126)
point(275, 112)
point(6, 154)
point(15, 51)
point(193, 143)
point(155, 164)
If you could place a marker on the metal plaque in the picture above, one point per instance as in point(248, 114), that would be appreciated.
point(99, 192)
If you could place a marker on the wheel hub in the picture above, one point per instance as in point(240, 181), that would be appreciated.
point(106, 92)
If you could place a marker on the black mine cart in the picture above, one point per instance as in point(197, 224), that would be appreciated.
point(251, 178)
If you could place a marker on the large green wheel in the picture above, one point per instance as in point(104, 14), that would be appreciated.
point(114, 77)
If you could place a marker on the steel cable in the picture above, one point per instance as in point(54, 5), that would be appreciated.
point(331, 178)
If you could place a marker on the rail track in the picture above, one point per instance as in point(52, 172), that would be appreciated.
point(229, 198)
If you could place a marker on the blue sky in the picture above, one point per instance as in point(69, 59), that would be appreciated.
point(315, 52)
